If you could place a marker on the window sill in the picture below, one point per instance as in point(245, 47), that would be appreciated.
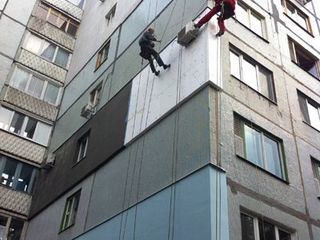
point(260, 94)
point(306, 71)
point(298, 25)
point(263, 170)
point(261, 37)
point(65, 229)
point(311, 126)
point(78, 162)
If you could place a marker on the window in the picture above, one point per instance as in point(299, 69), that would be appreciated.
point(70, 211)
point(111, 13)
point(254, 228)
point(47, 50)
point(304, 59)
point(34, 86)
point(251, 73)
point(259, 147)
point(82, 147)
point(296, 15)
point(94, 96)
point(103, 54)
point(250, 19)
point(24, 126)
point(58, 19)
point(10, 228)
point(16, 175)
point(316, 174)
point(310, 110)
point(78, 3)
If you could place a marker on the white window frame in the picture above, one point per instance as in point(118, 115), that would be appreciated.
point(256, 227)
point(251, 12)
point(265, 161)
point(297, 11)
point(257, 67)
point(23, 126)
point(82, 145)
point(44, 88)
point(69, 211)
point(41, 48)
point(95, 95)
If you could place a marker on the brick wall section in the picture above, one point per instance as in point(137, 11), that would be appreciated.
point(33, 61)
point(29, 103)
point(15, 201)
point(66, 7)
point(53, 33)
point(21, 147)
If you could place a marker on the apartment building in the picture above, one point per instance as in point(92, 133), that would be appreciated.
point(223, 145)
point(36, 44)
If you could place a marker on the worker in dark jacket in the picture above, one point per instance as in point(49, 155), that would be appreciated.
point(226, 7)
point(147, 51)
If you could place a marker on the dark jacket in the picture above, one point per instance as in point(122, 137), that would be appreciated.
point(146, 39)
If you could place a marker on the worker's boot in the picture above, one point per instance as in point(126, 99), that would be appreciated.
point(165, 66)
point(220, 33)
point(156, 73)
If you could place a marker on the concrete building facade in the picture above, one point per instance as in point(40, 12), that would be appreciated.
point(223, 145)
point(36, 45)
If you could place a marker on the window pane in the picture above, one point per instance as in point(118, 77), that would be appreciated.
point(25, 178)
point(73, 27)
point(250, 74)
point(51, 94)
point(48, 51)
point(15, 229)
point(235, 65)
point(3, 224)
point(256, 24)
point(34, 44)
point(302, 21)
point(8, 173)
point(284, 235)
point(75, 209)
point(253, 146)
point(42, 133)
point(42, 11)
point(30, 128)
point(82, 148)
point(53, 17)
point(314, 116)
point(273, 156)
point(16, 123)
point(62, 58)
point(35, 87)
point(242, 15)
point(266, 84)
point(266, 231)
point(20, 79)
point(62, 23)
point(5, 116)
point(247, 227)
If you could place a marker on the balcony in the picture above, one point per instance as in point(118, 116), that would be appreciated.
point(67, 7)
point(14, 201)
point(21, 147)
point(51, 32)
point(41, 65)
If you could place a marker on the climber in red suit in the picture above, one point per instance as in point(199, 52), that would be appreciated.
point(226, 9)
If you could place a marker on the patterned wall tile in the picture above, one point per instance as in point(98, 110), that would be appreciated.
point(15, 201)
point(29, 103)
point(21, 147)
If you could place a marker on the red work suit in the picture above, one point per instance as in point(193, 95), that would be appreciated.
point(228, 11)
